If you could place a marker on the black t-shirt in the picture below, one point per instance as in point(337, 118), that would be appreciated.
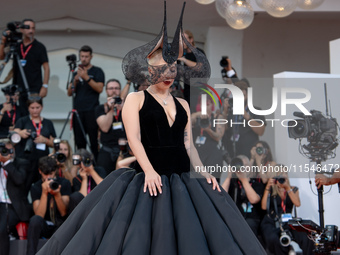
point(65, 190)
point(283, 206)
point(8, 118)
point(86, 98)
point(77, 180)
point(245, 136)
point(47, 130)
point(248, 210)
point(117, 131)
point(36, 56)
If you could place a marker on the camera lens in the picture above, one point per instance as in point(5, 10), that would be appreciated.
point(259, 150)
point(204, 123)
point(54, 185)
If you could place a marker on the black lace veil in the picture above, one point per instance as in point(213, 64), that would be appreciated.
point(135, 64)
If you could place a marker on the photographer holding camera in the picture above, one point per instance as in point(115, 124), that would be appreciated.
point(207, 136)
point(278, 200)
point(246, 189)
point(50, 197)
point(14, 205)
point(37, 134)
point(63, 154)
point(89, 83)
point(33, 58)
point(10, 111)
point(88, 177)
point(228, 72)
point(111, 127)
point(243, 136)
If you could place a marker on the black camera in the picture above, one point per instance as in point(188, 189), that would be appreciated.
point(203, 123)
point(14, 36)
point(224, 61)
point(236, 163)
point(77, 159)
point(60, 157)
point(71, 58)
point(10, 89)
point(4, 151)
point(261, 150)
point(54, 185)
point(118, 100)
point(29, 142)
point(279, 179)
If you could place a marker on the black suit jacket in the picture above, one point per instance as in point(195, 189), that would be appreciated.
point(16, 187)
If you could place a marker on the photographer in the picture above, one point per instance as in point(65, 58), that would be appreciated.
point(207, 137)
point(33, 58)
point(10, 111)
point(243, 136)
point(89, 83)
point(278, 200)
point(88, 177)
point(111, 127)
point(50, 197)
point(14, 206)
point(37, 134)
point(63, 153)
point(228, 72)
point(246, 189)
point(262, 159)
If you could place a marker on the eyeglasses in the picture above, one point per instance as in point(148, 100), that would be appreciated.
point(113, 88)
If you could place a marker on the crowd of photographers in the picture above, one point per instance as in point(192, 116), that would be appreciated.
point(56, 182)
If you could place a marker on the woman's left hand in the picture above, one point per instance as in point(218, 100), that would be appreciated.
point(211, 180)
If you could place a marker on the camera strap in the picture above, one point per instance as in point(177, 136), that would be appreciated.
point(38, 129)
point(24, 54)
point(14, 114)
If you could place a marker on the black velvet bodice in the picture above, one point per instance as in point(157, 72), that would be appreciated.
point(164, 144)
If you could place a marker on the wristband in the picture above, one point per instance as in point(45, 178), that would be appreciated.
point(289, 191)
point(89, 80)
point(45, 85)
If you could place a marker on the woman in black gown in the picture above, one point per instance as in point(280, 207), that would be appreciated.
point(157, 208)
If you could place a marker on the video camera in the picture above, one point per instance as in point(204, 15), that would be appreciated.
point(71, 58)
point(14, 36)
point(321, 133)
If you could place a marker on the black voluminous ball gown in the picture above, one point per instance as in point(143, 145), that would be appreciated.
point(188, 218)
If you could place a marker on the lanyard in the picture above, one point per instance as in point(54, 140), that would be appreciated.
point(24, 54)
point(14, 114)
point(89, 185)
point(117, 116)
point(5, 173)
point(39, 128)
point(283, 202)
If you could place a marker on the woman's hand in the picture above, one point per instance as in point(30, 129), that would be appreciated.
point(153, 182)
point(211, 180)
point(24, 133)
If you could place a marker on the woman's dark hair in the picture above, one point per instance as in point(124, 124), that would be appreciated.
point(34, 99)
point(47, 165)
point(269, 156)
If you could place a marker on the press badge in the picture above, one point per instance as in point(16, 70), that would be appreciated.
point(41, 146)
point(201, 140)
point(247, 208)
point(23, 62)
point(286, 217)
point(117, 125)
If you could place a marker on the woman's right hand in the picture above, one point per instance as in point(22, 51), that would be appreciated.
point(153, 182)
